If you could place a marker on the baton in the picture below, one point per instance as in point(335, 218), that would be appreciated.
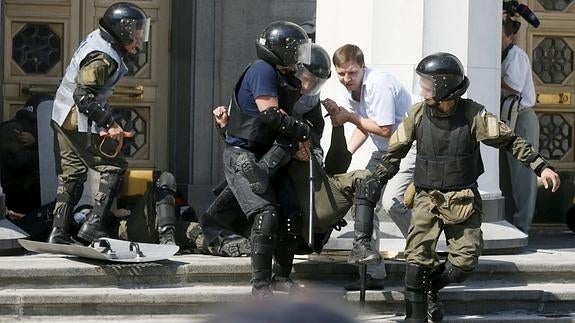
point(311, 199)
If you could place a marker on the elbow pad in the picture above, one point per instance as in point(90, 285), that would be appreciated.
point(287, 126)
point(98, 113)
point(101, 114)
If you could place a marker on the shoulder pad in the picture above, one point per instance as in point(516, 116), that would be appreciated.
point(416, 111)
point(472, 109)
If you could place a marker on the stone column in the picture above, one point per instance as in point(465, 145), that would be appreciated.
point(394, 36)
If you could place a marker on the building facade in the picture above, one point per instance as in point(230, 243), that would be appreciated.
point(198, 48)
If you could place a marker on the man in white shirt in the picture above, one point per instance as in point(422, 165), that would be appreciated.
point(518, 183)
point(375, 102)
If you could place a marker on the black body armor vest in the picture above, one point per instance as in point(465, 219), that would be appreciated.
point(448, 158)
point(260, 137)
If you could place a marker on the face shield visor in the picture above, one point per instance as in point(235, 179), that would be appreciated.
point(310, 84)
point(143, 26)
point(423, 86)
point(136, 29)
point(304, 52)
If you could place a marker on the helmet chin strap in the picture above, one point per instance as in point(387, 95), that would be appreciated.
point(434, 105)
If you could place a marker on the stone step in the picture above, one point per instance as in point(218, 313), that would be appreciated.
point(473, 300)
point(532, 266)
point(484, 298)
point(503, 317)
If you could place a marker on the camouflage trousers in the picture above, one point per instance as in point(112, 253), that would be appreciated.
point(464, 239)
point(333, 194)
point(74, 156)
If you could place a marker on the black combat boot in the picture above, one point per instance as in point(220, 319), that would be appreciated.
point(434, 308)
point(69, 193)
point(61, 226)
point(441, 276)
point(286, 284)
point(167, 234)
point(94, 228)
point(363, 254)
point(261, 290)
point(258, 173)
point(283, 256)
point(60, 231)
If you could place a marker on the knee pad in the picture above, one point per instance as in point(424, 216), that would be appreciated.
point(367, 191)
point(445, 274)
point(415, 276)
point(167, 182)
point(70, 192)
point(456, 274)
point(266, 221)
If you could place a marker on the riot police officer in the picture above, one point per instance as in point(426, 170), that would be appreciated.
point(266, 87)
point(312, 76)
point(448, 130)
point(86, 133)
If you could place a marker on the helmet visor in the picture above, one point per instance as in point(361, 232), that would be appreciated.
point(310, 84)
point(145, 29)
point(304, 52)
point(423, 86)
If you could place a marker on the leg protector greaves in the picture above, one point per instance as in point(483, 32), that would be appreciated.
point(284, 254)
point(263, 241)
point(445, 274)
point(367, 193)
point(165, 200)
point(97, 225)
point(441, 276)
point(69, 193)
point(415, 293)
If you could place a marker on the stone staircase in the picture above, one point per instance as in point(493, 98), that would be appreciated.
point(533, 286)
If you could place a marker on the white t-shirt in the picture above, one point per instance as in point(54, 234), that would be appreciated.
point(516, 72)
point(383, 99)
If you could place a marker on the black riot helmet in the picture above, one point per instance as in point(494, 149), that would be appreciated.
point(446, 75)
point(316, 73)
point(126, 22)
point(283, 43)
